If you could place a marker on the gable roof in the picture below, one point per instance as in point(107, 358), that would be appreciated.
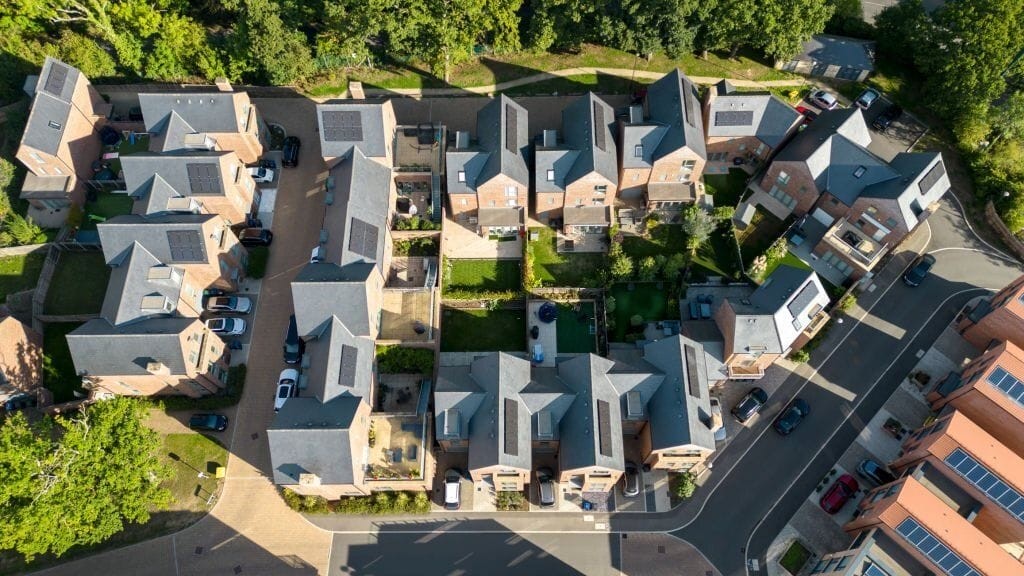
point(141, 287)
point(775, 314)
point(191, 112)
point(761, 115)
point(499, 430)
point(643, 138)
point(356, 218)
point(587, 127)
point(547, 398)
point(322, 290)
point(591, 429)
point(456, 399)
point(673, 102)
point(340, 364)
point(51, 106)
point(170, 238)
point(99, 348)
point(922, 181)
point(354, 124)
point(311, 437)
point(153, 179)
point(680, 409)
point(502, 147)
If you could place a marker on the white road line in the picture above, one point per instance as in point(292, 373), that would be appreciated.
point(852, 411)
point(963, 216)
point(174, 552)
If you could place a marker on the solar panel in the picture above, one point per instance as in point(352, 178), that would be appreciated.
point(511, 427)
point(604, 428)
point(362, 239)
point(186, 246)
point(599, 127)
point(634, 408)
point(688, 98)
point(1008, 384)
point(934, 550)
point(734, 118)
point(451, 422)
point(802, 299)
point(692, 376)
point(55, 79)
point(977, 474)
point(349, 359)
point(933, 175)
point(342, 125)
point(511, 128)
point(544, 428)
point(203, 178)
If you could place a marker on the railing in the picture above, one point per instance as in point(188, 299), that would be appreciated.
point(834, 238)
point(745, 373)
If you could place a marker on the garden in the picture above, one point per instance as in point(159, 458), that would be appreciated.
point(482, 330)
point(79, 284)
point(481, 276)
point(18, 273)
point(576, 328)
point(59, 375)
point(726, 189)
point(566, 269)
point(631, 305)
point(105, 206)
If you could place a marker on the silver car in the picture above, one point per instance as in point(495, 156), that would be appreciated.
point(631, 480)
point(226, 326)
point(224, 304)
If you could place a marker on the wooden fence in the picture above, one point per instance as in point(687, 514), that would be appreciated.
point(1008, 238)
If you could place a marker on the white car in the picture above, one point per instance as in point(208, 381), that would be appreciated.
point(717, 424)
point(222, 304)
point(261, 175)
point(286, 383)
point(824, 99)
point(226, 326)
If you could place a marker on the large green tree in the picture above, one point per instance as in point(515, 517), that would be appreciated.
point(267, 49)
point(775, 27)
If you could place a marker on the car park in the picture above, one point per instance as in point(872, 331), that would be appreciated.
point(546, 487)
point(791, 416)
point(919, 270)
point(255, 237)
point(452, 489)
point(823, 99)
point(20, 402)
point(209, 422)
point(750, 404)
point(867, 98)
point(226, 326)
point(294, 347)
point(290, 152)
point(631, 480)
point(841, 492)
point(286, 387)
point(261, 175)
point(874, 472)
point(225, 304)
point(886, 118)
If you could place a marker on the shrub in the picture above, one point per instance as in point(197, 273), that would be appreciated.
point(648, 269)
point(685, 485)
point(232, 394)
point(673, 266)
point(308, 504)
point(800, 356)
point(530, 279)
point(636, 320)
point(510, 501)
point(609, 304)
point(384, 503)
point(257, 266)
point(846, 303)
point(723, 214)
point(399, 360)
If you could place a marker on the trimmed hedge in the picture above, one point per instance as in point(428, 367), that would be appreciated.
point(377, 504)
point(399, 360)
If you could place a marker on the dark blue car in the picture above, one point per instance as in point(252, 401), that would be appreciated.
point(791, 416)
point(210, 422)
point(919, 270)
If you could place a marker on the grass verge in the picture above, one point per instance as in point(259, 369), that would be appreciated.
point(257, 266)
point(795, 557)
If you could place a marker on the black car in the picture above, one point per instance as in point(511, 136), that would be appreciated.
point(875, 472)
point(293, 345)
point(750, 405)
point(791, 416)
point(290, 153)
point(887, 117)
point(255, 237)
point(210, 422)
point(19, 402)
point(918, 271)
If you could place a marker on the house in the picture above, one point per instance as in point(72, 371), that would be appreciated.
point(999, 318)
point(60, 142)
point(858, 206)
point(488, 177)
point(575, 176)
point(366, 125)
point(749, 126)
point(191, 181)
point(21, 356)
point(662, 149)
point(833, 57)
point(220, 121)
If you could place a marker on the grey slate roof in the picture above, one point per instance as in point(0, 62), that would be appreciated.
point(368, 136)
point(361, 192)
point(202, 112)
point(140, 275)
point(340, 364)
point(504, 216)
point(119, 233)
point(594, 142)
point(778, 287)
point(648, 137)
point(502, 147)
point(583, 442)
point(586, 215)
point(762, 321)
point(152, 179)
point(456, 399)
point(101, 349)
point(673, 102)
point(751, 114)
point(51, 103)
point(323, 290)
point(839, 51)
point(680, 409)
point(913, 191)
point(45, 187)
point(308, 436)
point(547, 398)
point(560, 160)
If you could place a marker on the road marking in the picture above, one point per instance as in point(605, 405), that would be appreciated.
point(920, 354)
point(174, 552)
point(853, 410)
point(588, 518)
point(963, 216)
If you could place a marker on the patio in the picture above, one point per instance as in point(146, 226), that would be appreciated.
point(399, 393)
point(582, 243)
point(812, 232)
point(460, 241)
point(412, 272)
point(547, 334)
point(396, 447)
point(403, 311)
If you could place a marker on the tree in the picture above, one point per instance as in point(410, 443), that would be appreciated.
point(777, 27)
point(77, 480)
point(673, 266)
point(723, 214)
point(698, 225)
point(20, 231)
point(685, 485)
point(265, 47)
point(348, 27)
point(609, 304)
point(84, 53)
point(1007, 118)
point(648, 269)
point(620, 266)
point(181, 50)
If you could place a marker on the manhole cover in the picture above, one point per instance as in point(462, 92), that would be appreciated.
point(661, 549)
point(238, 569)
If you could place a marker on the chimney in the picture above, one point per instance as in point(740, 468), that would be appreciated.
point(157, 368)
point(306, 479)
point(223, 84)
point(550, 138)
point(355, 91)
point(636, 114)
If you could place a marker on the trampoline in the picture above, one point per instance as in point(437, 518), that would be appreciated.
point(548, 312)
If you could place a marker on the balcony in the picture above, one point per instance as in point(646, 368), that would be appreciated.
point(847, 239)
point(745, 372)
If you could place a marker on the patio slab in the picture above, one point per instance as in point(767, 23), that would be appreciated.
point(548, 337)
point(462, 242)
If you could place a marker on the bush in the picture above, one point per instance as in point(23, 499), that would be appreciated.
point(257, 266)
point(510, 501)
point(800, 356)
point(416, 247)
point(648, 269)
point(636, 320)
point(306, 504)
point(685, 485)
point(415, 223)
point(609, 304)
point(232, 394)
point(846, 303)
point(399, 360)
point(383, 503)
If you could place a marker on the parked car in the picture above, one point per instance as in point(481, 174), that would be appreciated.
point(255, 237)
point(261, 175)
point(226, 326)
point(452, 489)
point(20, 402)
point(294, 347)
point(867, 98)
point(919, 270)
point(286, 387)
point(290, 152)
point(717, 424)
point(808, 114)
point(631, 480)
point(211, 422)
point(823, 99)
point(546, 487)
point(874, 472)
point(222, 304)
point(887, 117)
point(844, 488)
point(791, 416)
point(750, 404)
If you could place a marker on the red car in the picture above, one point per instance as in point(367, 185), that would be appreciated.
point(839, 494)
point(807, 113)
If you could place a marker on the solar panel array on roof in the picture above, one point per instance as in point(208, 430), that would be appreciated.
point(55, 79)
point(186, 246)
point(511, 427)
point(933, 175)
point(362, 239)
point(511, 128)
point(347, 373)
point(691, 370)
point(343, 125)
point(734, 118)
point(604, 428)
point(599, 127)
point(451, 422)
point(634, 408)
point(544, 429)
point(688, 102)
point(802, 299)
point(203, 178)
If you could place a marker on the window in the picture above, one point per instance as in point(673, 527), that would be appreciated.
point(510, 191)
point(551, 201)
point(463, 202)
point(783, 178)
point(786, 200)
point(510, 202)
point(871, 210)
point(742, 147)
point(600, 189)
point(638, 151)
point(859, 171)
point(462, 175)
point(688, 165)
point(236, 173)
point(57, 170)
point(491, 203)
point(54, 125)
point(551, 175)
point(35, 156)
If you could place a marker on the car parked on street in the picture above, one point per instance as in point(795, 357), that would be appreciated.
point(286, 387)
point(546, 487)
point(631, 480)
point(919, 270)
point(750, 404)
point(823, 99)
point(226, 326)
point(452, 489)
point(290, 152)
point(255, 237)
point(867, 98)
point(210, 422)
point(261, 175)
point(841, 492)
point(874, 472)
point(887, 117)
point(225, 304)
point(791, 416)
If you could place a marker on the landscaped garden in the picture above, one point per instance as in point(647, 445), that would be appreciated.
point(18, 273)
point(481, 275)
point(764, 229)
point(482, 330)
point(59, 374)
point(572, 269)
point(636, 303)
point(575, 328)
point(726, 189)
point(78, 284)
point(104, 207)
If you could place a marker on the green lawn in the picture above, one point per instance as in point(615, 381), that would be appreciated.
point(78, 284)
point(484, 275)
point(483, 330)
point(718, 255)
point(19, 273)
point(795, 557)
point(764, 228)
point(726, 188)
point(124, 148)
point(645, 299)
point(573, 328)
point(107, 205)
point(789, 260)
point(579, 84)
point(187, 455)
point(664, 239)
point(59, 374)
point(565, 269)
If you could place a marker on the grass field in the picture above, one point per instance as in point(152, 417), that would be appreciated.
point(79, 284)
point(573, 328)
point(479, 275)
point(19, 273)
point(192, 453)
point(483, 330)
point(59, 374)
point(566, 269)
point(726, 188)
point(645, 299)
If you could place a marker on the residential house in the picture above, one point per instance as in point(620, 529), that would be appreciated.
point(575, 177)
point(999, 318)
point(191, 181)
point(488, 177)
point(21, 356)
point(60, 142)
point(864, 205)
point(218, 121)
point(749, 126)
point(662, 148)
point(367, 125)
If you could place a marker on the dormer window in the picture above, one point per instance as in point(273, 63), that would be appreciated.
point(462, 175)
point(54, 125)
point(551, 175)
point(783, 178)
point(859, 171)
point(638, 151)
